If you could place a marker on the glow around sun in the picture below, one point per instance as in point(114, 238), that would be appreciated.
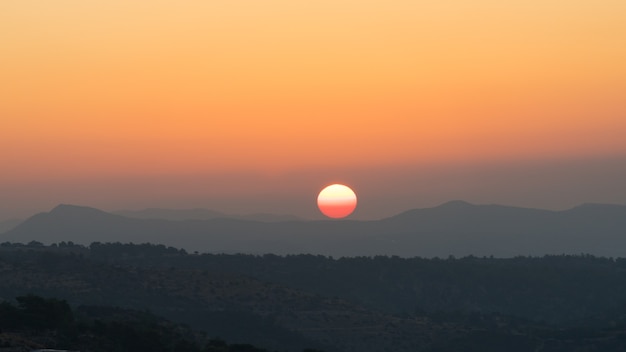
point(336, 201)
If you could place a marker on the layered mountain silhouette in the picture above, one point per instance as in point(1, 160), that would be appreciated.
point(454, 228)
point(7, 225)
point(199, 214)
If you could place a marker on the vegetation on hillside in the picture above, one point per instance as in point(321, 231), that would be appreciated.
point(38, 322)
point(289, 303)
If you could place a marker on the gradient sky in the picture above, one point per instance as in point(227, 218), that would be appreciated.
point(255, 106)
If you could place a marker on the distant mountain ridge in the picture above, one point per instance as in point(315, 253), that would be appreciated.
point(9, 224)
point(199, 214)
point(454, 228)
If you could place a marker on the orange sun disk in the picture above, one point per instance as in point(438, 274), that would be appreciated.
point(336, 201)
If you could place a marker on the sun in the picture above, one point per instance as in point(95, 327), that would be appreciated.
point(336, 201)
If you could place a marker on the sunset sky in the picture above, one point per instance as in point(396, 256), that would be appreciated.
point(255, 106)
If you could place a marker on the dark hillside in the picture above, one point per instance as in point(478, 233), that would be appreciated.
point(236, 307)
point(570, 303)
point(455, 228)
point(558, 289)
point(40, 323)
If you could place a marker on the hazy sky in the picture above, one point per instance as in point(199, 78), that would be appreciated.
point(254, 106)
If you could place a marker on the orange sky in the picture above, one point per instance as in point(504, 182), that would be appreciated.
point(129, 89)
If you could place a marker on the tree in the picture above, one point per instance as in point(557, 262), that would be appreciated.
point(41, 313)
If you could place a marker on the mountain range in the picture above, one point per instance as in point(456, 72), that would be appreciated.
point(455, 228)
point(200, 214)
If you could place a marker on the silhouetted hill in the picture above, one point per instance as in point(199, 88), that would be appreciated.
point(199, 214)
point(172, 214)
point(553, 303)
point(454, 228)
point(266, 217)
point(10, 224)
point(233, 306)
point(85, 225)
point(39, 324)
point(76, 223)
